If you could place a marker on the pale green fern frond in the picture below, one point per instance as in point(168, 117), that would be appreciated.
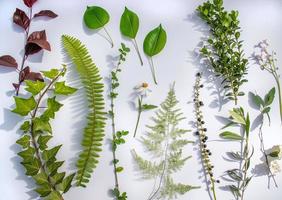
point(94, 130)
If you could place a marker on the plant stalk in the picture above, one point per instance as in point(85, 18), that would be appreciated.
point(139, 115)
point(137, 50)
point(109, 36)
point(279, 93)
point(153, 70)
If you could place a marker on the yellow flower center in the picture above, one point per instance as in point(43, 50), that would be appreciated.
point(145, 85)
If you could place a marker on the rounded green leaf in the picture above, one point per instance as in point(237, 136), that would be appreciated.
point(95, 17)
point(155, 41)
point(129, 23)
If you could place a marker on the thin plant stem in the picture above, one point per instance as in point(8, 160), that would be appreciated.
point(139, 114)
point(280, 96)
point(110, 38)
point(24, 56)
point(137, 50)
point(153, 70)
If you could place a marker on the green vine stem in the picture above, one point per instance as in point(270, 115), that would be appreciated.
point(117, 136)
point(201, 133)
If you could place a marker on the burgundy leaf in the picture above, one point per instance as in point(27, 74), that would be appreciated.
point(8, 61)
point(29, 3)
point(36, 42)
point(24, 73)
point(21, 19)
point(46, 13)
point(34, 76)
point(16, 86)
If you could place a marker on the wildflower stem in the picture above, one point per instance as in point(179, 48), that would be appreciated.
point(139, 114)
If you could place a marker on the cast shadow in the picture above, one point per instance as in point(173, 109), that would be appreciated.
point(213, 82)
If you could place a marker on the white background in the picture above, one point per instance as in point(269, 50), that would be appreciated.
point(260, 19)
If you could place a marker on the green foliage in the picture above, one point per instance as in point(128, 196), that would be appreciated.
point(239, 176)
point(117, 136)
point(62, 88)
point(38, 159)
point(94, 130)
point(223, 48)
point(129, 26)
point(164, 141)
point(96, 17)
point(153, 44)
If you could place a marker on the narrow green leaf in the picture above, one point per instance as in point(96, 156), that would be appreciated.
point(269, 97)
point(24, 106)
point(237, 117)
point(155, 41)
point(148, 107)
point(230, 136)
point(63, 89)
point(129, 23)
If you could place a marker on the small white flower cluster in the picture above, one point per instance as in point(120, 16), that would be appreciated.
point(274, 158)
point(262, 57)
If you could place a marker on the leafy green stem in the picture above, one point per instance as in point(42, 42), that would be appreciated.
point(137, 50)
point(109, 36)
point(140, 99)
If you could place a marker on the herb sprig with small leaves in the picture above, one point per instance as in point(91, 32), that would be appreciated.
point(263, 104)
point(117, 136)
point(201, 133)
point(38, 159)
point(223, 49)
point(239, 176)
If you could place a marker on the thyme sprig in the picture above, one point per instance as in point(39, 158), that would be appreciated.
point(117, 136)
point(223, 49)
point(201, 133)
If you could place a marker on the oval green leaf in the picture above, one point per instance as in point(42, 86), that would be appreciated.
point(129, 23)
point(230, 136)
point(95, 17)
point(155, 41)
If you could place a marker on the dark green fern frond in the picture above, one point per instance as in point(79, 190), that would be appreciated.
point(94, 130)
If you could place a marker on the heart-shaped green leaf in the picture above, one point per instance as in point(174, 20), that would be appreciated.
point(129, 23)
point(155, 41)
point(96, 17)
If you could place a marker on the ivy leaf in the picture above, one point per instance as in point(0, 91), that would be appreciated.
point(230, 136)
point(44, 190)
point(32, 167)
point(53, 167)
point(27, 155)
point(25, 126)
point(34, 87)
point(36, 42)
point(96, 17)
point(63, 89)
point(41, 178)
point(41, 125)
point(148, 107)
point(24, 141)
point(269, 97)
point(29, 3)
point(66, 183)
point(53, 107)
point(53, 73)
point(155, 41)
point(58, 178)
point(46, 13)
point(8, 61)
point(49, 154)
point(129, 23)
point(24, 106)
point(20, 18)
point(42, 141)
point(54, 196)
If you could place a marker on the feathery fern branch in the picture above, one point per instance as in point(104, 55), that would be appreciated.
point(94, 130)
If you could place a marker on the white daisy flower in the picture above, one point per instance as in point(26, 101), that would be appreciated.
point(143, 89)
point(275, 167)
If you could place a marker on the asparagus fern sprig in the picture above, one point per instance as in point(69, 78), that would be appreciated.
point(164, 141)
point(201, 133)
point(40, 161)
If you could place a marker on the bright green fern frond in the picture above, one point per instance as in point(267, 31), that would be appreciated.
point(94, 130)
